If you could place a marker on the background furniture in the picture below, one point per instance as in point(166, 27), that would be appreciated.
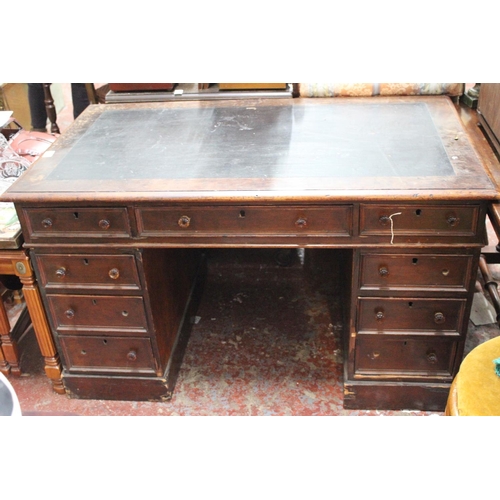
point(117, 251)
point(382, 89)
point(15, 262)
point(489, 112)
point(476, 388)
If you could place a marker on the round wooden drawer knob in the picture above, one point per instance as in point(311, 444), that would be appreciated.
point(431, 357)
point(439, 318)
point(384, 272)
point(132, 355)
point(61, 272)
point(70, 313)
point(114, 274)
point(184, 221)
point(47, 222)
point(301, 222)
point(104, 224)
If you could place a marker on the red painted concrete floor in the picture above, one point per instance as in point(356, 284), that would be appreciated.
point(266, 342)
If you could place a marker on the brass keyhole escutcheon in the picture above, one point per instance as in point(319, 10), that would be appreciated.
point(184, 221)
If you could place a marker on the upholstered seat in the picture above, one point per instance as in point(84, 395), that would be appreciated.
point(476, 388)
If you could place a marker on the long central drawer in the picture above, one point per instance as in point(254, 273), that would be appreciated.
point(240, 220)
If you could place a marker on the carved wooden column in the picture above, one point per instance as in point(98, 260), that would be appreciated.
point(40, 323)
point(50, 107)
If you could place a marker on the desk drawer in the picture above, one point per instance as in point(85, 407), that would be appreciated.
point(94, 313)
point(399, 356)
point(77, 222)
point(415, 272)
point(108, 354)
point(88, 271)
point(251, 220)
point(377, 314)
point(419, 220)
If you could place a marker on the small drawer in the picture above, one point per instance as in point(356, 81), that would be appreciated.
point(377, 314)
point(402, 356)
point(77, 222)
point(94, 313)
point(245, 220)
point(385, 271)
point(419, 220)
point(88, 271)
point(108, 354)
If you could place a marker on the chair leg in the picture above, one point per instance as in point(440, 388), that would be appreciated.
point(10, 352)
point(50, 107)
point(490, 285)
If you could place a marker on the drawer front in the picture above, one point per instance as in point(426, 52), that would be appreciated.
point(237, 221)
point(415, 220)
point(77, 222)
point(108, 354)
point(415, 271)
point(118, 315)
point(410, 315)
point(405, 357)
point(88, 271)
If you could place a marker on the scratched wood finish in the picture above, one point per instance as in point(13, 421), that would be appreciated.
point(291, 149)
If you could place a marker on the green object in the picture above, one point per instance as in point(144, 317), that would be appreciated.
point(497, 366)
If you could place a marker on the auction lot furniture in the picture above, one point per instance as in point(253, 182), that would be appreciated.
point(115, 221)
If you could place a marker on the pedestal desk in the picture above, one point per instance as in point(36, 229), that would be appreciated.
point(117, 214)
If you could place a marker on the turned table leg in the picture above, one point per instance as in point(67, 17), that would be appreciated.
point(41, 327)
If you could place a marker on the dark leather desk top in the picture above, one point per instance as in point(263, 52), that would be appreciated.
point(315, 149)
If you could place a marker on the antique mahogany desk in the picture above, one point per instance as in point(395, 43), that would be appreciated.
point(116, 215)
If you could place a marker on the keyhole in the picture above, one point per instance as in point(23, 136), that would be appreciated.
point(86, 262)
point(410, 304)
point(418, 212)
point(414, 260)
point(84, 352)
point(242, 214)
point(94, 302)
point(104, 341)
point(125, 313)
point(75, 214)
